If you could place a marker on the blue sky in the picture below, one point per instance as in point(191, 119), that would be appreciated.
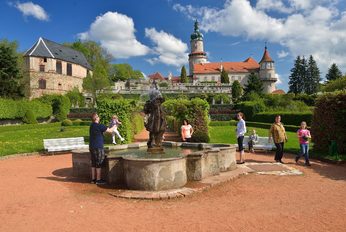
point(153, 35)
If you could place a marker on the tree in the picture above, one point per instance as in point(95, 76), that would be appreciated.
point(254, 84)
point(313, 77)
point(333, 73)
point(236, 91)
point(183, 76)
point(10, 72)
point(297, 76)
point(123, 72)
point(224, 76)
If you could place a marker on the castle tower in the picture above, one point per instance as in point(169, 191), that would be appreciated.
point(197, 54)
point(267, 72)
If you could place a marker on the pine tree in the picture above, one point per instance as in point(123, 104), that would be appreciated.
point(236, 91)
point(297, 75)
point(313, 78)
point(254, 84)
point(183, 76)
point(10, 74)
point(333, 73)
point(224, 77)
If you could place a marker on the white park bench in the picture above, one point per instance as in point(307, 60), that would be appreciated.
point(64, 144)
point(262, 144)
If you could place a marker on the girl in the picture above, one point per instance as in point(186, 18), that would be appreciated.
point(241, 130)
point(303, 136)
point(115, 122)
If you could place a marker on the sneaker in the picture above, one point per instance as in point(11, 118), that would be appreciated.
point(100, 182)
point(122, 139)
point(296, 159)
point(114, 143)
point(281, 161)
point(93, 181)
point(307, 164)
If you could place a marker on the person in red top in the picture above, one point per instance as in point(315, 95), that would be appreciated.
point(304, 136)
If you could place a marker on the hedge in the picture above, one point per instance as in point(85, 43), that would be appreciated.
point(221, 117)
point(287, 118)
point(16, 109)
point(125, 110)
point(61, 105)
point(250, 108)
point(194, 110)
point(329, 122)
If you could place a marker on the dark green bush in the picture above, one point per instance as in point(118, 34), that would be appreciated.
point(67, 122)
point(250, 108)
point(138, 122)
point(263, 125)
point(221, 117)
point(287, 118)
point(329, 122)
point(77, 122)
point(60, 103)
point(29, 117)
point(221, 123)
point(16, 109)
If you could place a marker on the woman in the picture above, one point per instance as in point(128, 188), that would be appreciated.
point(186, 131)
point(303, 136)
point(278, 133)
point(241, 130)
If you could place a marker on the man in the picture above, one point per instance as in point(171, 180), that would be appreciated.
point(96, 147)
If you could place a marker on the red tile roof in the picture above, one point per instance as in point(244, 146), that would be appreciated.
point(266, 57)
point(231, 67)
point(156, 76)
point(278, 91)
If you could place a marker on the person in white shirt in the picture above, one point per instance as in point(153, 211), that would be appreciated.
point(186, 131)
point(241, 130)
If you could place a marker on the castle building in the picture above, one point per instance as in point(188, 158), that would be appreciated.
point(203, 71)
point(52, 68)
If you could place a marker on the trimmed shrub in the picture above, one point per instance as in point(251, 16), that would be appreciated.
point(263, 125)
point(16, 109)
point(77, 122)
point(221, 117)
point(29, 117)
point(334, 85)
point(67, 122)
point(287, 118)
point(329, 122)
point(60, 103)
point(138, 122)
point(250, 108)
point(195, 110)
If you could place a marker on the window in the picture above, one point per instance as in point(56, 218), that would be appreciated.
point(42, 84)
point(69, 69)
point(42, 68)
point(58, 67)
point(45, 59)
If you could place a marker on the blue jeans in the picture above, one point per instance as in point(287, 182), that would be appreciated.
point(304, 150)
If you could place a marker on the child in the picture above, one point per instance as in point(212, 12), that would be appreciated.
point(253, 139)
point(115, 122)
point(303, 136)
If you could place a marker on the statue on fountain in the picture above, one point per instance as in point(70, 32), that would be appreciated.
point(155, 121)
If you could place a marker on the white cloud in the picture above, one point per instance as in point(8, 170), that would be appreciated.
point(314, 27)
point(278, 77)
point(31, 9)
point(116, 34)
point(273, 5)
point(168, 49)
point(282, 54)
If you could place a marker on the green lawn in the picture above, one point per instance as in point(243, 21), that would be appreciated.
point(29, 138)
point(226, 134)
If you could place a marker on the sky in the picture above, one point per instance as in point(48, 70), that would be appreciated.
point(154, 35)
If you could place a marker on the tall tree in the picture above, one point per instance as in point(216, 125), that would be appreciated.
point(236, 91)
point(224, 77)
point(296, 78)
point(10, 72)
point(183, 76)
point(254, 84)
point(122, 72)
point(333, 73)
point(313, 77)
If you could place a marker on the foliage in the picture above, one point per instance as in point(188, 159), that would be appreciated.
point(254, 84)
point(66, 122)
point(221, 117)
point(163, 84)
point(123, 72)
point(123, 108)
point(194, 110)
point(250, 108)
point(10, 73)
point(222, 98)
point(77, 122)
point(329, 121)
point(183, 76)
point(224, 76)
point(309, 100)
point(29, 117)
point(305, 76)
point(96, 82)
point(138, 122)
point(16, 109)
point(237, 91)
point(285, 103)
point(289, 118)
point(334, 85)
point(60, 103)
point(334, 73)
point(76, 97)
